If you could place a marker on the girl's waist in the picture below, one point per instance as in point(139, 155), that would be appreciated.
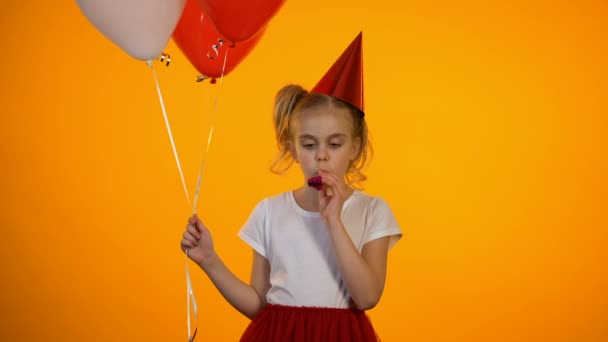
point(307, 309)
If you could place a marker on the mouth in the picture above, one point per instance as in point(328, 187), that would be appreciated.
point(316, 182)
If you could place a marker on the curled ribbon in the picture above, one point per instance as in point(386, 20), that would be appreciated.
point(165, 56)
point(216, 49)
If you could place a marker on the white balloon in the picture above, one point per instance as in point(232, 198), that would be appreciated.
point(142, 28)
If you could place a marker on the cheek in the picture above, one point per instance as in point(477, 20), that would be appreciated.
point(342, 159)
point(349, 152)
point(304, 154)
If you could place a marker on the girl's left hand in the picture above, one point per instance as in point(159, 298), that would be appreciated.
point(330, 204)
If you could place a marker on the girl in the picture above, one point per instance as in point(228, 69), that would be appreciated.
point(319, 254)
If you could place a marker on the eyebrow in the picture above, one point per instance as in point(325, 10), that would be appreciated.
point(331, 136)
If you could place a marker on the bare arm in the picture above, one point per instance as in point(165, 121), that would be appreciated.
point(364, 274)
point(260, 276)
point(247, 299)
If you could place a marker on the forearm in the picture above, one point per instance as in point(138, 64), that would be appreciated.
point(239, 294)
point(364, 287)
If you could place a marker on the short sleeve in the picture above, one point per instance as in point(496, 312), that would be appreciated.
point(253, 231)
point(381, 222)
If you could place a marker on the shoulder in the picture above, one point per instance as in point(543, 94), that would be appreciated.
point(370, 202)
point(277, 199)
point(273, 201)
point(380, 221)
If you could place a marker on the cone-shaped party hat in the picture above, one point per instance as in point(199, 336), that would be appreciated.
point(344, 80)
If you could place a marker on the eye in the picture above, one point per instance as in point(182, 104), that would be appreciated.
point(308, 146)
point(335, 145)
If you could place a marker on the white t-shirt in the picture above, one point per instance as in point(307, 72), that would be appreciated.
point(297, 245)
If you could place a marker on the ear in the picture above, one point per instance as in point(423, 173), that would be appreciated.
point(356, 148)
point(292, 150)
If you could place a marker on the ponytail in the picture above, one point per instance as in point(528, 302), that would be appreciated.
point(285, 102)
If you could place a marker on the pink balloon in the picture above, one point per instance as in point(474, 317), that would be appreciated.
point(141, 28)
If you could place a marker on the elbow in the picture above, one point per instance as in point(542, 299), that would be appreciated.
point(367, 299)
point(367, 306)
point(367, 302)
point(251, 314)
point(255, 309)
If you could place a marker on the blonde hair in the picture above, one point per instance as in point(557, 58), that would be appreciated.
point(291, 100)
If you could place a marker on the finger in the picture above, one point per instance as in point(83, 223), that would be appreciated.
point(322, 194)
point(200, 226)
point(336, 190)
point(328, 177)
point(185, 245)
point(330, 187)
point(325, 194)
point(192, 230)
point(325, 190)
point(189, 237)
point(191, 227)
point(334, 182)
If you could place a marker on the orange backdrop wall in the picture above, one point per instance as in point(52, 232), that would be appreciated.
point(489, 121)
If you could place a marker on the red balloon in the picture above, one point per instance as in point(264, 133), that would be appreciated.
point(204, 47)
point(240, 20)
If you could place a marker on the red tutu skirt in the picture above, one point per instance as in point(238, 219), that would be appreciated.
point(309, 324)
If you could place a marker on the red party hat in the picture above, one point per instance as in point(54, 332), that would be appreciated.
point(344, 80)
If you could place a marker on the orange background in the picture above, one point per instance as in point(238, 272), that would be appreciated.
point(489, 123)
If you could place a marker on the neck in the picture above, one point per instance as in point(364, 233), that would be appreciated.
point(307, 198)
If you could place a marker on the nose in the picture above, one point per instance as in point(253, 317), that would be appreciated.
point(322, 154)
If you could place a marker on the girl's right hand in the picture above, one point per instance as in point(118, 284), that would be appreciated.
point(197, 242)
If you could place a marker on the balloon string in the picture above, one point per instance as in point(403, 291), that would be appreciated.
point(190, 298)
point(204, 158)
point(189, 291)
point(162, 104)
